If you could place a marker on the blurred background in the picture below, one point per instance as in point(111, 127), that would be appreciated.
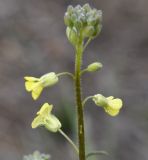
point(33, 42)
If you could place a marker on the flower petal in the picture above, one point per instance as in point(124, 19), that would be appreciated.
point(115, 103)
point(45, 110)
point(110, 98)
point(112, 112)
point(38, 121)
point(36, 91)
point(29, 85)
point(27, 78)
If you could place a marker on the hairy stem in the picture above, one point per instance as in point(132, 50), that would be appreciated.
point(81, 136)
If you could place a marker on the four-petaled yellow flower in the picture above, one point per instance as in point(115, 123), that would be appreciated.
point(36, 85)
point(110, 104)
point(45, 118)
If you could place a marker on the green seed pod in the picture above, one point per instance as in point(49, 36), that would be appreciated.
point(94, 67)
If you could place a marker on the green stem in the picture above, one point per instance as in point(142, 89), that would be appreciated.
point(70, 141)
point(66, 73)
point(81, 136)
point(86, 99)
point(86, 44)
point(83, 71)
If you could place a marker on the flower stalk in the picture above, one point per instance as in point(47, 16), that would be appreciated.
point(80, 116)
point(66, 73)
point(83, 25)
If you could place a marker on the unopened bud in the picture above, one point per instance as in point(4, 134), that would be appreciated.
point(88, 31)
point(87, 7)
point(94, 67)
point(72, 35)
point(70, 9)
point(85, 20)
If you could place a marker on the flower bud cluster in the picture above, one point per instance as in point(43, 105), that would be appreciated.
point(83, 21)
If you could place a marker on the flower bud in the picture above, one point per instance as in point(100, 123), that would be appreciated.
point(97, 30)
point(78, 24)
point(98, 16)
point(87, 7)
point(94, 67)
point(70, 9)
point(72, 35)
point(88, 31)
point(67, 20)
point(91, 21)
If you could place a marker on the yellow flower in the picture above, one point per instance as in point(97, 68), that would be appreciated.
point(45, 118)
point(114, 106)
point(110, 104)
point(36, 85)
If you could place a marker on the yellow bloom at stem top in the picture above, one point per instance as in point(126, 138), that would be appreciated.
point(110, 104)
point(46, 119)
point(36, 85)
